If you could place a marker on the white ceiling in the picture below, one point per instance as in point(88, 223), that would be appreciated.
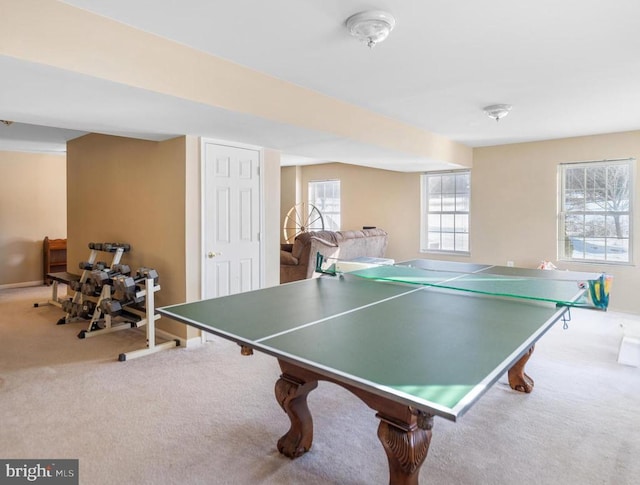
point(568, 67)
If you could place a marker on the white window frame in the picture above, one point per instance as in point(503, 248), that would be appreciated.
point(427, 213)
point(326, 208)
point(568, 242)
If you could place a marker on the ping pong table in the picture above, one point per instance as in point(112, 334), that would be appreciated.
point(414, 340)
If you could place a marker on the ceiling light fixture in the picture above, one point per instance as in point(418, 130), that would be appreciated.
point(497, 111)
point(371, 27)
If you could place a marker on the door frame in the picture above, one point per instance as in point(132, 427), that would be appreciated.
point(261, 251)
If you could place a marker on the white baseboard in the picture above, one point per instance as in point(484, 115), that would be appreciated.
point(22, 285)
point(194, 342)
point(186, 343)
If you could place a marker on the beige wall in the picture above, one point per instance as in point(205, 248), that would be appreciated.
point(288, 190)
point(271, 211)
point(148, 194)
point(513, 205)
point(32, 206)
point(133, 191)
point(193, 251)
point(372, 197)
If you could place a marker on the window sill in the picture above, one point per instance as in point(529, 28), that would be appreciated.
point(451, 253)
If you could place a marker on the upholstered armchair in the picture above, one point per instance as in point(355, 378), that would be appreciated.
point(298, 260)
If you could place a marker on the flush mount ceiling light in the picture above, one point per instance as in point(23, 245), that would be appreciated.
point(497, 111)
point(371, 27)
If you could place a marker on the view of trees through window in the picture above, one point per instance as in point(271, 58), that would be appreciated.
point(595, 215)
point(325, 196)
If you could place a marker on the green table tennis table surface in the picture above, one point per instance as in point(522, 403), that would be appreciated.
point(432, 348)
point(527, 284)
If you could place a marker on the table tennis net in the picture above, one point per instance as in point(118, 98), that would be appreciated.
point(588, 293)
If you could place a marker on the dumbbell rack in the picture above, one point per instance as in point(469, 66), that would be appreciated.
point(78, 297)
point(146, 317)
point(149, 319)
point(101, 322)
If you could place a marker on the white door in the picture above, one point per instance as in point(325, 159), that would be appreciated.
point(231, 202)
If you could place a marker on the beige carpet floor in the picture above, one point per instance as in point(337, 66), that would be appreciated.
point(208, 415)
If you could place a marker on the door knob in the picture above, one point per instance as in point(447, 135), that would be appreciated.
point(211, 255)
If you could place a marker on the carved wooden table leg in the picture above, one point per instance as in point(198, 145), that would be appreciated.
point(291, 394)
point(405, 432)
point(244, 350)
point(406, 445)
point(518, 380)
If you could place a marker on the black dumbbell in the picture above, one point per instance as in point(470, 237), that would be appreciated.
point(67, 306)
point(126, 287)
point(111, 307)
point(71, 308)
point(90, 288)
point(75, 285)
point(109, 247)
point(148, 273)
point(113, 247)
point(121, 269)
point(86, 309)
point(101, 277)
point(116, 307)
point(92, 266)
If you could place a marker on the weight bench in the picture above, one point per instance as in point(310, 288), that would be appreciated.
point(62, 277)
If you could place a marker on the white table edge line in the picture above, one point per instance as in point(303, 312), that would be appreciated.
point(336, 315)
